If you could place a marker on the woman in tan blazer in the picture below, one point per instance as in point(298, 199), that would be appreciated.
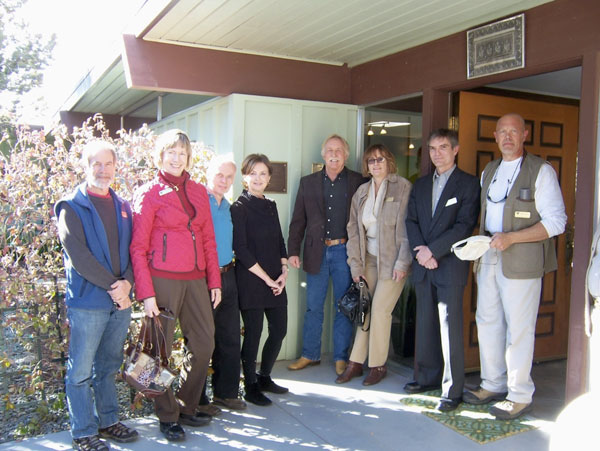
point(378, 251)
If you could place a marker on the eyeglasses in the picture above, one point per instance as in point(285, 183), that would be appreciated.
point(508, 184)
point(375, 160)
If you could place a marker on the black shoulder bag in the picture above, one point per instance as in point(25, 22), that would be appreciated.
point(356, 303)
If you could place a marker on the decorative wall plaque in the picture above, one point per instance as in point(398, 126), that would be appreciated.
point(497, 47)
point(278, 183)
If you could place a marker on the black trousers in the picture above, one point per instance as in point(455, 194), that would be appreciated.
point(226, 357)
point(439, 352)
point(253, 326)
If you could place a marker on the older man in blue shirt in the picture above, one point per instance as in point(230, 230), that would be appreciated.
point(226, 356)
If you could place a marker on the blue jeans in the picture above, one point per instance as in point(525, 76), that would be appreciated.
point(95, 356)
point(333, 265)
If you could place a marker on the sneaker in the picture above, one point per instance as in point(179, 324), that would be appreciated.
point(118, 432)
point(209, 409)
point(509, 410)
point(265, 383)
point(482, 396)
point(230, 403)
point(91, 443)
point(254, 395)
point(172, 431)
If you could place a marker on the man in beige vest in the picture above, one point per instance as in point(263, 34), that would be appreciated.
point(521, 209)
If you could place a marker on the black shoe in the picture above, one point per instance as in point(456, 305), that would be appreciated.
point(414, 387)
point(254, 395)
point(173, 432)
point(91, 443)
point(197, 420)
point(448, 405)
point(265, 383)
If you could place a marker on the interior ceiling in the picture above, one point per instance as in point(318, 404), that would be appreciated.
point(333, 31)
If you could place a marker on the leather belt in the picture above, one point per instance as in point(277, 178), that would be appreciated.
point(335, 242)
point(227, 267)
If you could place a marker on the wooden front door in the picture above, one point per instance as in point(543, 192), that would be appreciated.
point(552, 135)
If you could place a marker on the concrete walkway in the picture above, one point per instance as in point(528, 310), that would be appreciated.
point(317, 414)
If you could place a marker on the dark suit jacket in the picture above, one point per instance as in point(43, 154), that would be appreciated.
point(309, 217)
point(454, 219)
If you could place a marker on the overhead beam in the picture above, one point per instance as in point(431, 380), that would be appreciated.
point(178, 68)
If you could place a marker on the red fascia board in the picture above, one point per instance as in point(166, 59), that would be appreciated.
point(176, 68)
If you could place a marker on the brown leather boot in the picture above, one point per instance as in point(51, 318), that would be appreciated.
point(375, 375)
point(352, 370)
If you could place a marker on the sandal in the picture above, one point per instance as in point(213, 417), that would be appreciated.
point(119, 433)
point(91, 443)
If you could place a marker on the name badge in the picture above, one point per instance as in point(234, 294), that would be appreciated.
point(451, 201)
point(389, 199)
point(522, 214)
point(124, 214)
point(165, 191)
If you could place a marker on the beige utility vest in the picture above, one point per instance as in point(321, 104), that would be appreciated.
point(521, 260)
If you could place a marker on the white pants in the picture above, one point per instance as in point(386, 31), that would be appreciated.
point(506, 315)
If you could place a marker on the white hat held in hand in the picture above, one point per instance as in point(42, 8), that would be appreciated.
point(471, 248)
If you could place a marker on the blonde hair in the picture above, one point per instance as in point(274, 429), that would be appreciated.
point(168, 140)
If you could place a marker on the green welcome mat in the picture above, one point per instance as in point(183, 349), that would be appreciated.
point(471, 421)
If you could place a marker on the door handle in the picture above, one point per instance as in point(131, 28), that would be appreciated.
point(569, 246)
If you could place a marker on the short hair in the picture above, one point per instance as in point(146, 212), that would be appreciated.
point(516, 116)
point(450, 135)
point(168, 140)
point(385, 153)
point(344, 144)
point(95, 146)
point(216, 162)
point(252, 160)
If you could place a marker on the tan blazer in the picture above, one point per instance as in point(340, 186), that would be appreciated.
point(394, 251)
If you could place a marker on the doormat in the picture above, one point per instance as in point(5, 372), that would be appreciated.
point(474, 422)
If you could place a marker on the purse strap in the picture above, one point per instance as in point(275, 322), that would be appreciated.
point(363, 289)
point(160, 342)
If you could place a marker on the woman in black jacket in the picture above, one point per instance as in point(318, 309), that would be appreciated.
point(261, 272)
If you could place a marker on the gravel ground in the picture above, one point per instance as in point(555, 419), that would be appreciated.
point(30, 417)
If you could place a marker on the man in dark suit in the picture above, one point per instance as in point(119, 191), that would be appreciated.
point(442, 209)
point(320, 217)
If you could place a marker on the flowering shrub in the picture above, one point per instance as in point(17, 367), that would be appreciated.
point(38, 170)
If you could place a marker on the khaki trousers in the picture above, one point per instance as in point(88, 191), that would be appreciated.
point(375, 342)
point(189, 302)
point(506, 316)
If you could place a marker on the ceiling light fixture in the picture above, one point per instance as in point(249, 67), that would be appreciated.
point(370, 131)
point(383, 130)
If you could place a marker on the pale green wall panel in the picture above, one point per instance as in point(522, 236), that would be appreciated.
point(286, 130)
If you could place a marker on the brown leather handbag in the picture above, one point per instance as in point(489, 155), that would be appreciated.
point(146, 366)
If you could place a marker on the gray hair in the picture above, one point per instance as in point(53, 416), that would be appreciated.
point(216, 162)
point(95, 146)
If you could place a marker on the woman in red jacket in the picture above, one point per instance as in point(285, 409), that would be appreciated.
point(176, 270)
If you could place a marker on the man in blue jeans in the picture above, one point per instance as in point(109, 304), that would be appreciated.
point(94, 225)
point(320, 217)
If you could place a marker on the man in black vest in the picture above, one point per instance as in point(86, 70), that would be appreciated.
point(521, 209)
point(442, 209)
point(321, 211)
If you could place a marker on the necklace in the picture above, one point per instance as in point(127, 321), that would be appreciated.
point(508, 185)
